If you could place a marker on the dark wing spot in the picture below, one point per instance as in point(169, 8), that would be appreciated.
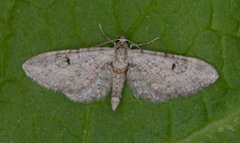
point(179, 66)
point(62, 61)
point(68, 60)
point(173, 66)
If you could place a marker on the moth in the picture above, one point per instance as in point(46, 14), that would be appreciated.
point(88, 74)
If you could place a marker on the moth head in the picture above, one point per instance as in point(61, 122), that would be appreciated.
point(122, 42)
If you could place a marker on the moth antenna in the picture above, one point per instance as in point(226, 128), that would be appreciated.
point(143, 44)
point(105, 36)
point(149, 42)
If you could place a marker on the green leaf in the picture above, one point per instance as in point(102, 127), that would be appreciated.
point(204, 29)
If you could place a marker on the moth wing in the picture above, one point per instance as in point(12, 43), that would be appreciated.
point(83, 75)
point(158, 77)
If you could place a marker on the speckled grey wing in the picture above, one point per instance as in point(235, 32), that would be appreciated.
point(158, 77)
point(83, 75)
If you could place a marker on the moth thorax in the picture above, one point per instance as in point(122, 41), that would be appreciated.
point(120, 67)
